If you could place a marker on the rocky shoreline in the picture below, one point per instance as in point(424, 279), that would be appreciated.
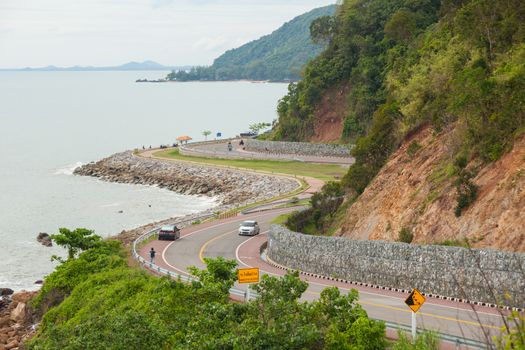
point(16, 319)
point(232, 187)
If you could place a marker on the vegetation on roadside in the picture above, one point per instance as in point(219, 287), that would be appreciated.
point(324, 172)
point(318, 218)
point(96, 301)
point(411, 64)
point(424, 341)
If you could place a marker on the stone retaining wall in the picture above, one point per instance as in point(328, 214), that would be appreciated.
point(447, 271)
point(304, 148)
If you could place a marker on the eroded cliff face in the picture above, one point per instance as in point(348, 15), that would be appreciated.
point(416, 191)
point(330, 115)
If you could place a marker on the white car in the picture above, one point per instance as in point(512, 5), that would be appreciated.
point(249, 228)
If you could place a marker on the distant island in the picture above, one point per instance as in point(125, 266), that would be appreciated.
point(277, 57)
point(130, 66)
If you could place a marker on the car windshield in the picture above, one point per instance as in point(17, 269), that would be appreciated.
point(168, 228)
point(248, 224)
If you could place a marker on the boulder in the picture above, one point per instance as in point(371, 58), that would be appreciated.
point(44, 239)
point(6, 291)
point(39, 282)
point(19, 314)
point(4, 321)
point(13, 344)
point(23, 296)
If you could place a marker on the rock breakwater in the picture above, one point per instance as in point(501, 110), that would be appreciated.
point(230, 186)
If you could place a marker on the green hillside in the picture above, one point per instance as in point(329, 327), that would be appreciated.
point(277, 56)
point(411, 63)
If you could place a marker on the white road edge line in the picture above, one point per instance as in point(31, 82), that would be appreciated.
point(191, 233)
point(348, 289)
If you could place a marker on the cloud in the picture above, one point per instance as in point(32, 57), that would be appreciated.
point(110, 32)
point(211, 43)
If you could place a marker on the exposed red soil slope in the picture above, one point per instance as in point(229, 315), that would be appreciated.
point(330, 115)
point(417, 193)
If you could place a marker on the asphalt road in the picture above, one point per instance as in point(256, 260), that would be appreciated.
point(220, 238)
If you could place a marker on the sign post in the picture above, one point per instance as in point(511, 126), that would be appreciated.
point(414, 301)
point(249, 275)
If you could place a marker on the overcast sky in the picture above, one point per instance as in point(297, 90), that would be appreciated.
point(111, 32)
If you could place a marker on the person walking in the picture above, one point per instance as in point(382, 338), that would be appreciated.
point(152, 254)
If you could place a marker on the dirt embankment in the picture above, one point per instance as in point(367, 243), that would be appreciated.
point(416, 192)
point(330, 115)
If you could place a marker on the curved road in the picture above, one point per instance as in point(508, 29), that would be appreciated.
point(220, 238)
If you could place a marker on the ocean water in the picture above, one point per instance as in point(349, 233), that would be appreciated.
point(52, 122)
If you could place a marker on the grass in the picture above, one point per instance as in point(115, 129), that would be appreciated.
point(454, 243)
point(444, 171)
point(325, 172)
point(281, 219)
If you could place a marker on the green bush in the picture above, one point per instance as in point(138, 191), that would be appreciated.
point(405, 235)
point(424, 341)
point(413, 148)
point(112, 306)
point(455, 243)
point(318, 218)
point(467, 191)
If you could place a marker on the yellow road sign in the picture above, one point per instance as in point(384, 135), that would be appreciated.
point(415, 300)
point(248, 275)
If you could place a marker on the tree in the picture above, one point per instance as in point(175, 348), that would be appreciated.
point(322, 29)
point(401, 26)
point(206, 133)
point(257, 127)
point(75, 241)
point(218, 277)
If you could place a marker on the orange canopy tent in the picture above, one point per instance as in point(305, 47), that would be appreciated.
point(184, 138)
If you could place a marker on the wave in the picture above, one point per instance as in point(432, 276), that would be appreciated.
point(110, 205)
point(68, 169)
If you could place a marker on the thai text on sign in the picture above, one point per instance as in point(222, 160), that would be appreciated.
point(248, 275)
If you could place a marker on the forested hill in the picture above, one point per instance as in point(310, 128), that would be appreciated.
point(277, 56)
point(431, 92)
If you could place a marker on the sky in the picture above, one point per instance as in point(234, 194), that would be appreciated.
point(36, 33)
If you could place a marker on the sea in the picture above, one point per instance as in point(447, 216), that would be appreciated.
point(53, 122)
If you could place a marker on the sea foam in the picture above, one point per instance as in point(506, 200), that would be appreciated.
point(68, 169)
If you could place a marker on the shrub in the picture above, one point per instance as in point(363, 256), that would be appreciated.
point(455, 243)
point(413, 148)
point(467, 191)
point(425, 341)
point(405, 235)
